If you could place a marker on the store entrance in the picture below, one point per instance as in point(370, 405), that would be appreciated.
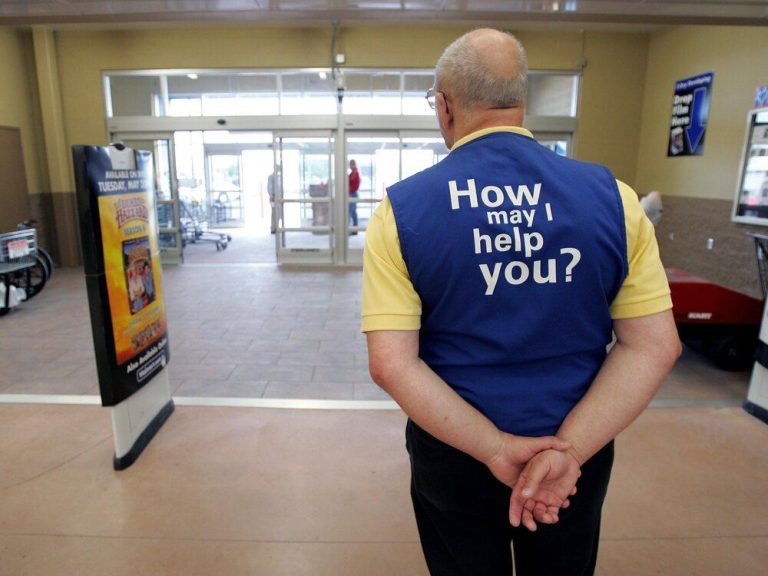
point(382, 159)
point(223, 188)
point(304, 197)
point(284, 196)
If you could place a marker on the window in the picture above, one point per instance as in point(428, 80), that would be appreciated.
point(305, 92)
point(552, 94)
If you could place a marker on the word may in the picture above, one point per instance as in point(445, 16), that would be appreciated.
point(517, 216)
point(516, 273)
point(493, 196)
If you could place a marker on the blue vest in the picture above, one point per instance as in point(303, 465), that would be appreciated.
point(516, 254)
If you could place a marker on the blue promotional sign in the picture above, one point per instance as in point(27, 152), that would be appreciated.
point(690, 113)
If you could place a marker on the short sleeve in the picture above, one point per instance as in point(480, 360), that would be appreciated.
point(645, 290)
point(390, 301)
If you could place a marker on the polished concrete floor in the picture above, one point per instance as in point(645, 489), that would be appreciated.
point(230, 486)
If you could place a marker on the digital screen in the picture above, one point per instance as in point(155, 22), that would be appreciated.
point(751, 204)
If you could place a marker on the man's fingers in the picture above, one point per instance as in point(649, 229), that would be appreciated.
point(516, 502)
point(561, 445)
point(549, 442)
point(545, 514)
point(530, 481)
point(528, 521)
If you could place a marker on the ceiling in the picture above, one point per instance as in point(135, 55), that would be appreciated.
point(718, 12)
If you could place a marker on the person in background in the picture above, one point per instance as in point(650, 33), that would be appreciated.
point(354, 186)
point(493, 284)
point(271, 187)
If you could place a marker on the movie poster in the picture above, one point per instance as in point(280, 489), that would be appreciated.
point(122, 260)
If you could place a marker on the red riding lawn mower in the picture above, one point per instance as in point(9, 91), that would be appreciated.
point(718, 322)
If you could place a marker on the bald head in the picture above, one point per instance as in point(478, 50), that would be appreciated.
point(484, 69)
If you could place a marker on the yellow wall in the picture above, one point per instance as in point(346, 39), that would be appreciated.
point(18, 99)
point(612, 86)
point(626, 90)
point(611, 101)
point(737, 56)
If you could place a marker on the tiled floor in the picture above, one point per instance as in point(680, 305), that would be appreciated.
point(250, 330)
point(242, 490)
point(236, 330)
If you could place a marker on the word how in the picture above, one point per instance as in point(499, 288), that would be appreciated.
point(493, 196)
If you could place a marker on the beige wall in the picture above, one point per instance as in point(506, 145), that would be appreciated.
point(611, 88)
point(612, 85)
point(18, 99)
point(611, 101)
point(737, 56)
point(700, 189)
point(626, 94)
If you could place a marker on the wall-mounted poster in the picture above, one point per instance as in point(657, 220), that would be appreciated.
point(751, 204)
point(690, 114)
point(116, 198)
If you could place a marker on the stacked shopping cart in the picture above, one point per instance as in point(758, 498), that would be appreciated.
point(23, 271)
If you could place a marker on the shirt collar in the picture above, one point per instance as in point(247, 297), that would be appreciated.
point(493, 129)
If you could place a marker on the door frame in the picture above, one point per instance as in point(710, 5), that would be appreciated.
point(168, 255)
point(299, 255)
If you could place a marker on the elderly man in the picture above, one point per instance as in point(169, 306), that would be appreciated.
point(494, 282)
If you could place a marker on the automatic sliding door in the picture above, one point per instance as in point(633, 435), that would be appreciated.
point(382, 159)
point(377, 155)
point(420, 151)
point(304, 198)
point(225, 191)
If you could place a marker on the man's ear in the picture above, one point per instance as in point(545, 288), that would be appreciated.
point(445, 106)
point(445, 118)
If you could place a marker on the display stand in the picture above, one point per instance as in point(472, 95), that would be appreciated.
point(137, 419)
point(121, 255)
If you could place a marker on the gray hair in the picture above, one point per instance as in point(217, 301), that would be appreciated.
point(474, 84)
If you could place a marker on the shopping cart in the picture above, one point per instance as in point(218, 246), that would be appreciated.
point(194, 227)
point(23, 272)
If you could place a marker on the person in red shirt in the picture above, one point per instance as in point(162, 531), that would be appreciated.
point(354, 186)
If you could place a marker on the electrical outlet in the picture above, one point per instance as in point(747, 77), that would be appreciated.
point(710, 243)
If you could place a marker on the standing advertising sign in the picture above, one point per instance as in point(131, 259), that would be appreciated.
point(690, 115)
point(119, 231)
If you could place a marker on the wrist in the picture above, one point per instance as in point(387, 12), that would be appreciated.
point(493, 449)
point(574, 453)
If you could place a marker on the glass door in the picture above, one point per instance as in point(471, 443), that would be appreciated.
point(304, 197)
point(224, 176)
point(377, 158)
point(166, 190)
point(421, 150)
point(382, 159)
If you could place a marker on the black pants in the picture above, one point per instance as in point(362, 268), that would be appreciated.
point(462, 512)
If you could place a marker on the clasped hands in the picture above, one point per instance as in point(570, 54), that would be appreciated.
point(542, 473)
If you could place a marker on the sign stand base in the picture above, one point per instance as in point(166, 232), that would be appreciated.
point(137, 419)
point(757, 398)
